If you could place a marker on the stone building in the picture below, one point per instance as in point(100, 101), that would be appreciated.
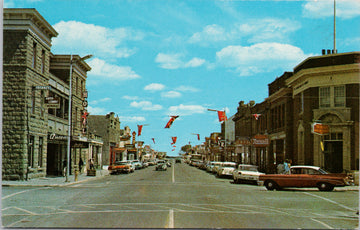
point(108, 127)
point(26, 64)
point(36, 100)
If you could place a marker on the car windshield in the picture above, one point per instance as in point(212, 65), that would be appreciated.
point(121, 163)
point(229, 165)
point(249, 168)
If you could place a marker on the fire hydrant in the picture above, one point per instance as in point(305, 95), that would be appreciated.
point(76, 175)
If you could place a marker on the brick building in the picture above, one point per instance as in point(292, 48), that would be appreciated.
point(321, 89)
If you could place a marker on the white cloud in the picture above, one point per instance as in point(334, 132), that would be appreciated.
point(131, 119)
point(83, 38)
point(101, 68)
point(173, 61)
point(186, 109)
point(132, 98)
point(100, 100)
point(261, 57)
point(154, 87)
point(344, 9)
point(259, 30)
point(213, 33)
point(96, 110)
point(184, 88)
point(145, 105)
point(171, 94)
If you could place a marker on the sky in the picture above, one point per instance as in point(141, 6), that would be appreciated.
point(157, 58)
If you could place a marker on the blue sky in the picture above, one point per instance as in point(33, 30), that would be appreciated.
point(157, 58)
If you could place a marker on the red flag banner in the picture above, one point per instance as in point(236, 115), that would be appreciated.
point(256, 116)
point(153, 139)
point(173, 140)
point(198, 135)
point(139, 129)
point(222, 116)
point(172, 119)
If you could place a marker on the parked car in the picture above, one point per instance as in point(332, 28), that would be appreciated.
point(137, 164)
point(305, 176)
point(215, 166)
point(226, 169)
point(132, 165)
point(177, 160)
point(120, 167)
point(210, 165)
point(246, 173)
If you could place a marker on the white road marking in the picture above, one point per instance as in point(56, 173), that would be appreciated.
point(322, 223)
point(173, 174)
point(331, 201)
point(29, 190)
point(24, 210)
point(171, 218)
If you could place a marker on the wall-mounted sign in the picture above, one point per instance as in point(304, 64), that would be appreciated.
point(52, 102)
point(260, 141)
point(320, 129)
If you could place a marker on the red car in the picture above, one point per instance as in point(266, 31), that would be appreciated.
point(305, 176)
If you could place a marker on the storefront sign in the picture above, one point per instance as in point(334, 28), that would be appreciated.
point(320, 129)
point(79, 144)
point(52, 102)
point(54, 136)
point(260, 141)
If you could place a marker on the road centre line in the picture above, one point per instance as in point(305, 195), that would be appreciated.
point(173, 174)
point(171, 218)
point(331, 201)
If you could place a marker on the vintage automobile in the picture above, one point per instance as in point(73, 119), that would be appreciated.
point(137, 164)
point(120, 167)
point(178, 160)
point(161, 166)
point(226, 169)
point(210, 165)
point(216, 166)
point(305, 176)
point(246, 173)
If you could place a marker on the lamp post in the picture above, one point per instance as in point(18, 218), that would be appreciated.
point(69, 113)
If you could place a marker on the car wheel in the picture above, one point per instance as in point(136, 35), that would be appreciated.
point(270, 185)
point(325, 186)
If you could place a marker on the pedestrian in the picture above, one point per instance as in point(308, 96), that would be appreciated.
point(91, 164)
point(81, 164)
point(64, 167)
point(287, 166)
point(280, 168)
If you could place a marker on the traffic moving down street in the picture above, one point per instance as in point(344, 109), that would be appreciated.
point(180, 197)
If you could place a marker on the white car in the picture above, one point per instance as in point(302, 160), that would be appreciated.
point(247, 173)
point(226, 169)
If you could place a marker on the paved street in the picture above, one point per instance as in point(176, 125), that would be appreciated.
point(181, 197)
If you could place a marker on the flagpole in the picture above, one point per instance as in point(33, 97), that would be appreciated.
point(335, 27)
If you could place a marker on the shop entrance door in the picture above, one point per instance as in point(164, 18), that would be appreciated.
point(333, 156)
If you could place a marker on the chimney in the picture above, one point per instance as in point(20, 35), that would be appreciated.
point(328, 51)
point(323, 52)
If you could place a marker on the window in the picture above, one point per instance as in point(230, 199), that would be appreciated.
point(302, 102)
point(34, 55)
point(42, 106)
point(339, 96)
point(332, 96)
point(324, 97)
point(33, 101)
point(31, 152)
point(40, 155)
point(43, 61)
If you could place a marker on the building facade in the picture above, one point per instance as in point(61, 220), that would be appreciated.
point(36, 90)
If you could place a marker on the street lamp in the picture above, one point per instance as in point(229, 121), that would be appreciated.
point(69, 113)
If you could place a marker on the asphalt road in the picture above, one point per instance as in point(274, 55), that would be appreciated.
point(181, 197)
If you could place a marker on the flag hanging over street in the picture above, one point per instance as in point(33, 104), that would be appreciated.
point(173, 140)
point(139, 129)
point(222, 116)
point(153, 139)
point(172, 119)
point(198, 135)
point(256, 116)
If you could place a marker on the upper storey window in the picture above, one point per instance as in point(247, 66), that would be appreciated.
point(33, 63)
point(333, 96)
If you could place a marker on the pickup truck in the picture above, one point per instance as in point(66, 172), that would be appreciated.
point(120, 167)
point(305, 176)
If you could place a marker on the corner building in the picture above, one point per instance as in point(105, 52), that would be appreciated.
point(325, 89)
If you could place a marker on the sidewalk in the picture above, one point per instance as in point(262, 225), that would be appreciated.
point(56, 181)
